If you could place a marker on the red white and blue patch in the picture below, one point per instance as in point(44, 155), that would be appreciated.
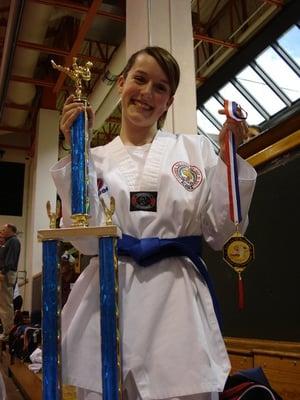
point(189, 176)
point(101, 187)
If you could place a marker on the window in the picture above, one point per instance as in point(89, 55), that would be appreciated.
point(269, 85)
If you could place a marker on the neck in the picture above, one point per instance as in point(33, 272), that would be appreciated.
point(137, 136)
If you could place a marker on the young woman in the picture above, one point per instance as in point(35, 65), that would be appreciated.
point(167, 186)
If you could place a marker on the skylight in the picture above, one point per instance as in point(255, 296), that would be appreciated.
point(269, 85)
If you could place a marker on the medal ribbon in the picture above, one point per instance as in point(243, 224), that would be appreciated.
point(233, 111)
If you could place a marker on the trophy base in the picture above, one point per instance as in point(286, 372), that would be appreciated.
point(80, 219)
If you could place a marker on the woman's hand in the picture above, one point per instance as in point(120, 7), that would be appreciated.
point(70, 112)
point(238, 128)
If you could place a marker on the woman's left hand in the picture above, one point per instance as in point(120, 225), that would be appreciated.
point(238, 128)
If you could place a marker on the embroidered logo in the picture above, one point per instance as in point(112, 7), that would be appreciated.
point(143, 201)
point(189, 176)
point(101, 189)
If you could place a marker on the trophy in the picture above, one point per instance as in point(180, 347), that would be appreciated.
point(108, 262)
point(79, 144)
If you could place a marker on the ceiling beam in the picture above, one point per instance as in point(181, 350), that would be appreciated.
point(278, 3)
point(57, 52)
point(208, 39)
point(84, 27)
point(10, 146)
point(14, 129)
point(9, 46)
point(32, 81)
point(80, 8)
point(19, 106)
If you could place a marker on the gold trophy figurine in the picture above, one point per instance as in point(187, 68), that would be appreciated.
point(77, 73)
point(52, 216)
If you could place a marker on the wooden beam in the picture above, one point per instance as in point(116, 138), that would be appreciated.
point(269, 137)
point(85, 26)
point(275, 150)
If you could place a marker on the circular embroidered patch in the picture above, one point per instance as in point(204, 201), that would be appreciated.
point(189, 176)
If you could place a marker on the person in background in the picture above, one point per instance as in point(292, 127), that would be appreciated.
point(17, 298)
point(9, 259)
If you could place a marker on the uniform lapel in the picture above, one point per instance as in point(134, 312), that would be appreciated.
point(150, 178)
point(127, 167)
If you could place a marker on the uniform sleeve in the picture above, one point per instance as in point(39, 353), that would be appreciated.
point(217, 226)
point(61, 174)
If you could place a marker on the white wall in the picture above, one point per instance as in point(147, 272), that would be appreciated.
point(167, 23)
point(41, 189)
point(38, 188)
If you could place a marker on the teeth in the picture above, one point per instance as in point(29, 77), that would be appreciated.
point(143, 105)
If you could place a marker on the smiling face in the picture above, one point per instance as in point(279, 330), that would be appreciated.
point(145, 96)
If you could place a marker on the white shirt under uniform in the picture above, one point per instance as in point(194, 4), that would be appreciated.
point(171, 342)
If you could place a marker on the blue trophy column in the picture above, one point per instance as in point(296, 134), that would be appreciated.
point(78, 169)
point(50, 325)
point(110, 339)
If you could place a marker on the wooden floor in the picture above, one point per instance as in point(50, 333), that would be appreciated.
point(30, 384)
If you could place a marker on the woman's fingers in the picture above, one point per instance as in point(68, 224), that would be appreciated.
point(67, 119)
point(70, 112)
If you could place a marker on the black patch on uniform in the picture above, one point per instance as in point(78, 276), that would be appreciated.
point(143, 201)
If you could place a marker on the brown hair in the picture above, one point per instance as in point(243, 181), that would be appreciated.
point(167, 63)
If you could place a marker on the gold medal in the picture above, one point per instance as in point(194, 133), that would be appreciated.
point(238, 252)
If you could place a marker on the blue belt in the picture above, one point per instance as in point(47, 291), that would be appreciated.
point(146, 252)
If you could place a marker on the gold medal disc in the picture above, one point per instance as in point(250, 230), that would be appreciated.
point(238, 251)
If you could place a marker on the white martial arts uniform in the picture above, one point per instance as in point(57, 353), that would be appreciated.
point(171, 342)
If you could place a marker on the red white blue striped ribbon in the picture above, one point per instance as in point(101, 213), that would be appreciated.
point(233, 111)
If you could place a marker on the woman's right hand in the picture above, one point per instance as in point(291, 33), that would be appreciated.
point(70, 112)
